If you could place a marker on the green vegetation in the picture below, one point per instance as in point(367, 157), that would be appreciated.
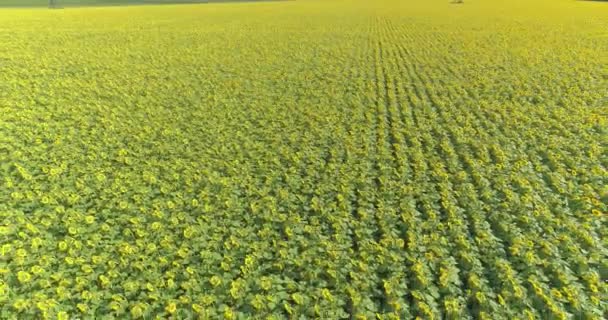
point(305, 159)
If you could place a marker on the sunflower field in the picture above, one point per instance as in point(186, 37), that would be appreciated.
point(305, 159)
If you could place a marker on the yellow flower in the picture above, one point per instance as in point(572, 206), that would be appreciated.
point(42, 306)
point(197, 308)
point(82, 307)
point(5, 249)
point(266, 283)
point(45, 200)
point(62, 292)
point(89, 219)
point(297, 298)
point(188, 233)
point(23, 276)
point(3, 291)
point(182, 252)
point(190, 270)
point(137, 310)
point(501, 300)
point(326, 294)
point(215, 281)
point(184, 299)
point(62, 315)
point(17, 195)
point(87, 268)
point(104, 281)
point(258, 302)
point(170, 204)
point(593, 288)
point(100, 177)
point(556, 293)
point(86, 295)
point(72, 230)
point(114, 305)
point(170, 283)
point(171, 307)
point(37, 270)
point(228, 313)
point(21, 253)
point(20, 304)
point(36, 242)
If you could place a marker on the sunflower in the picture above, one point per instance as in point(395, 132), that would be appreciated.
point(24, 277)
